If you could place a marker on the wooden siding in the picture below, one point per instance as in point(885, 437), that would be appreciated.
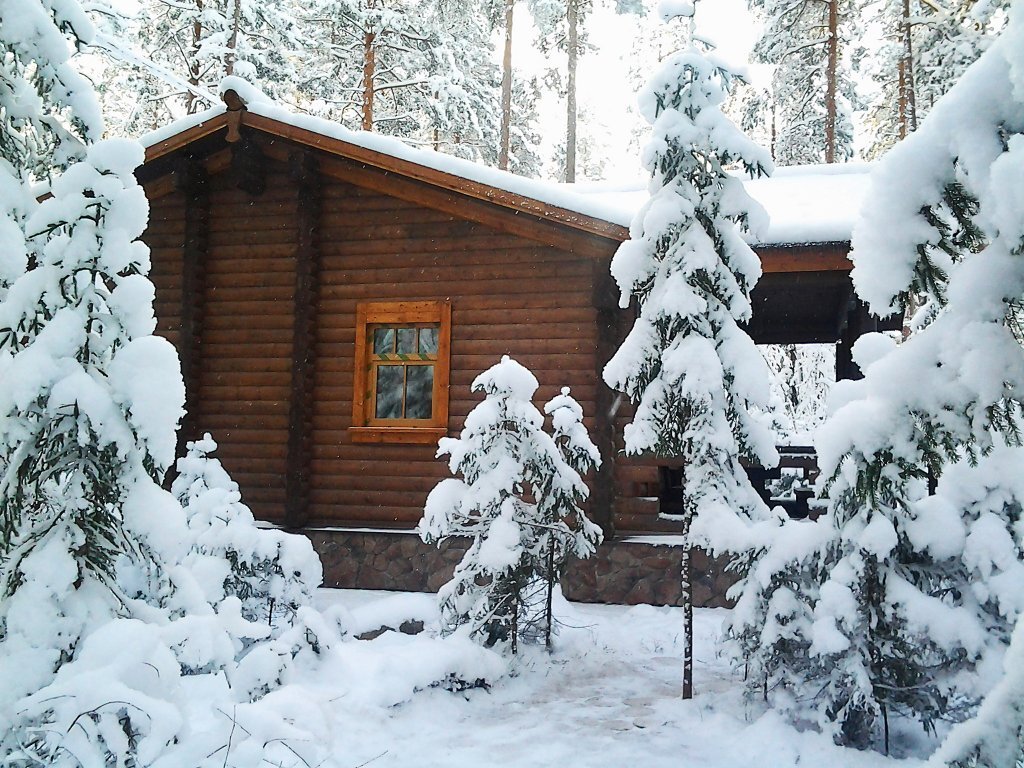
point(536, 290)
point(508, 297)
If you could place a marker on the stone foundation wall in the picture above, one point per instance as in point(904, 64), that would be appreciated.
point(627, 571)
point(646, 570)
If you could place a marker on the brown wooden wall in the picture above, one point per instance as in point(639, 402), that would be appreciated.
point(271, 377)
point(509, 295)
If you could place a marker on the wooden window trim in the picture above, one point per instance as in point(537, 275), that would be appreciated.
point(364, 429)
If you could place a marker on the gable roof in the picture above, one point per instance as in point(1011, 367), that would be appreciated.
point(806, 205)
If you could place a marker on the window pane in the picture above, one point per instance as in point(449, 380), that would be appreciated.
point(389, 392)
point(428, 341)
point(383, 341)
point(419, 391)
point(406, 341)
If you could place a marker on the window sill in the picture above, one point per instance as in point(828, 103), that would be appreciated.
point(409, 435)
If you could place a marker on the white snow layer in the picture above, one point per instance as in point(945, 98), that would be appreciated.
point(805, 204)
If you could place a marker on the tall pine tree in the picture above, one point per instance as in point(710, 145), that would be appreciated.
point(696, 378)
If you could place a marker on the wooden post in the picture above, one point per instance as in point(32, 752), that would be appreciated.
point(608, 318)
point(858, 321)
point(194, 183)
point(300, 409)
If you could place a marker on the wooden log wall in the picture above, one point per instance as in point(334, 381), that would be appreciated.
point(259, 266)
point(274, 281)
point(509, 296)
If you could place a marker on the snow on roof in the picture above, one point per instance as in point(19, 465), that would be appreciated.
point(805, 204)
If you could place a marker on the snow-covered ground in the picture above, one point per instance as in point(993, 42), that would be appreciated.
point(608, 696)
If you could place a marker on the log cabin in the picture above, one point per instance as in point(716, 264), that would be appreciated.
point(333, 295)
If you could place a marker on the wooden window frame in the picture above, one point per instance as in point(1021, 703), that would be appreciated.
point(366, 429)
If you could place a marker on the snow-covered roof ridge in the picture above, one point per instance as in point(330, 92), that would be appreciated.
point(805, 204)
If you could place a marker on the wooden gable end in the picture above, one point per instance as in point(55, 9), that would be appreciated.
point(258, 283)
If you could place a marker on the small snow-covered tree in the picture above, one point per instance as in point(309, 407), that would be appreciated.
point(271, 572)
point(570, 532)
point(518, 502)
point(923, 531)
point(697, 379)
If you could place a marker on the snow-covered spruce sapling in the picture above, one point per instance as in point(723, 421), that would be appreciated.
point(271, 572)
point(571, 534)
point(697, 379)
point(515, 486)
point(911, 598)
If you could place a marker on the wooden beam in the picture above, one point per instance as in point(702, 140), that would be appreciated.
point(194, 182)
point(186, 137)
point(608, 327)
point(548, 233)
point(305, 172)
point(819, 257)
point(411, 170)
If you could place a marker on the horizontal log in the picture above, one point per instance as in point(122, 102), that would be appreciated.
point(264, 422)
point(376, 481)
point(280, 378)
point(543, 276)
point(246, 365)
point(432, 286)
point(327, 448)
point(258, 221)
point(486, 309)
point(237, 445)
point(511, 255)
point(332, 472)
point(261, 349)
point(248, 335)
point(339, 217)
point(626, 524)
point(422, 245)
point(368, 498)
point(250, 272)
point(255, 232)
point(251, 309)
point(244, 394)
point(164, 240)
point(256, 250)
point(373, 516)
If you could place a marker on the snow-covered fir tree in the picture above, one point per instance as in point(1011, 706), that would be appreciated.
point(995, 736)
point(517, 501)
point(905, 591)
point(812, 87)
point(272, 573)
point(169, 56)
point(570, 533)
point(695, 376)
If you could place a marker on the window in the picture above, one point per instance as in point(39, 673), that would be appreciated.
point(401, 372)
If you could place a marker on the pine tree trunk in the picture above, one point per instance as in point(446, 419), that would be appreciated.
point(548, 618)
point(908, 106)
point(193, 68)
point(686, 575)
point(686, 595)
point(369, 66)
point(236, 23)
point(506, 89)
point(572, 12)
point(830, 81)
